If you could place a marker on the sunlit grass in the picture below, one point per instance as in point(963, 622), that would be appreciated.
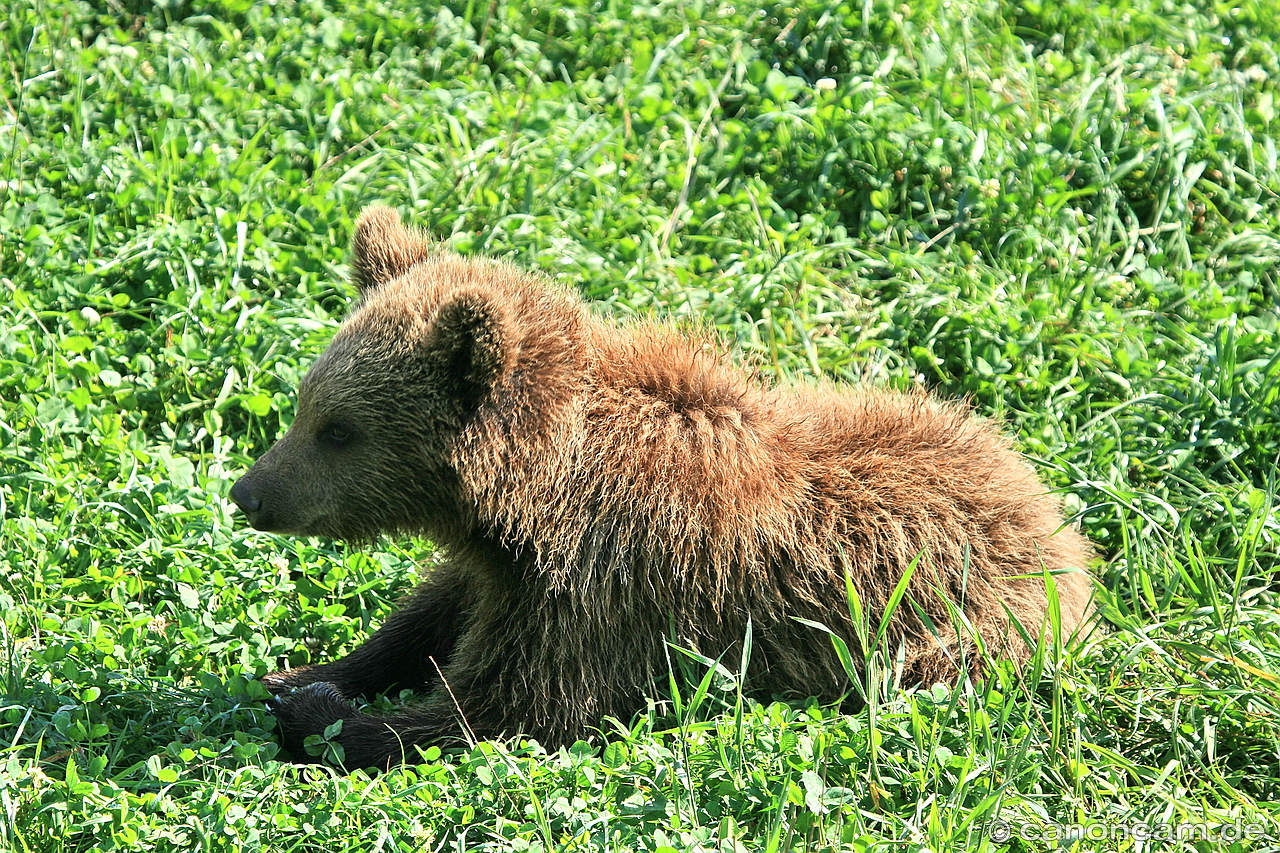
point(1064, 212)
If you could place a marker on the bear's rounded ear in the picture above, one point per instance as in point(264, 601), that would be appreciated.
point(383, 249)
point(470, 342)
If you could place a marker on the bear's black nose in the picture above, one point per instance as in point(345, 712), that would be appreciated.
point(243, 497)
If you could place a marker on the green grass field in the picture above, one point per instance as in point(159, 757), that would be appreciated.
point(1066, 212)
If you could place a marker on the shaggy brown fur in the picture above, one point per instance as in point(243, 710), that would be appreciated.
point(598, 487)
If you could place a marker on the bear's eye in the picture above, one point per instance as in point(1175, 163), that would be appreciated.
point(336, 435)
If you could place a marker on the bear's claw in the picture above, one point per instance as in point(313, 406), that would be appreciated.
point(285, 680)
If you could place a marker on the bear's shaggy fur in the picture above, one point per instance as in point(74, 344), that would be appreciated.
point(600, 490)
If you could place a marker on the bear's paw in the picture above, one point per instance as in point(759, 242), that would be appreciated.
point(313, 710)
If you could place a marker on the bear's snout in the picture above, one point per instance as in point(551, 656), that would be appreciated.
point(268, 505)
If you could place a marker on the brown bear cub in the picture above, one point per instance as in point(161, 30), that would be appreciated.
point(601, 490)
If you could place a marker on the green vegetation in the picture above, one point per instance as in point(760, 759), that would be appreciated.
point(1067, 212)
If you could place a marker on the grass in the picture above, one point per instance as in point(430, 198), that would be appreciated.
point(1065, 212)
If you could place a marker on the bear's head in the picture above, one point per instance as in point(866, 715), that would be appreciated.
point(373, 446)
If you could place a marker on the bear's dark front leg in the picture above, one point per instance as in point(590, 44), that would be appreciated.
point(403, 653)
point(498, 682)
point(380, 741)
